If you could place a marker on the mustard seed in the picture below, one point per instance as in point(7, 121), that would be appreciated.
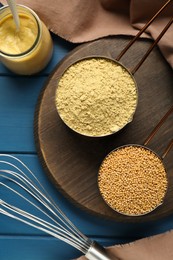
point(132, 180)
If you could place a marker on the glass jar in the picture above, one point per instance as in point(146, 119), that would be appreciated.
point(28, 50)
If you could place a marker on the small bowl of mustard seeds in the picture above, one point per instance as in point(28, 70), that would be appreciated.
point(96, 96)
point(132, 180)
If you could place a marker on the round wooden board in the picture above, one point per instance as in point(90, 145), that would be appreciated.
point(72, 161)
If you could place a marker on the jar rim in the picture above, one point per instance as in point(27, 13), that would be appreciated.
point(37, 40)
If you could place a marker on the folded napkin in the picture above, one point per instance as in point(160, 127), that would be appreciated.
point(85, 20)
point(157, 247)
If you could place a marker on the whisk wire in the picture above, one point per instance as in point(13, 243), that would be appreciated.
point(19, 194)
point(65, 231)
point(43, 226)
point(66, 221)
point(49, 227)
point(61, 231)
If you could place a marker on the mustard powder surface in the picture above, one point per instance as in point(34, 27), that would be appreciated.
point(96, 97)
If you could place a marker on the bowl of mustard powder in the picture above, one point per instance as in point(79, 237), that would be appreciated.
point(96, 97)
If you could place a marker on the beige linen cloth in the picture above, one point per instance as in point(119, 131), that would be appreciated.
point(159, 247)
point(84, 20)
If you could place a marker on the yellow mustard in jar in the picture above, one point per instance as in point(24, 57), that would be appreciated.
point(16, 42)
point(28, 50)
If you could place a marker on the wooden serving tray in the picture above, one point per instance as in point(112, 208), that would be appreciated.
point(72, 161)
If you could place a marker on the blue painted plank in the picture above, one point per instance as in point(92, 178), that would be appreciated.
point(18, 97)
point(88, 224)
point(61, 48)
point(44, 248)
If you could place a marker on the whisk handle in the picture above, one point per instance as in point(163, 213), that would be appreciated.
point(97, 252)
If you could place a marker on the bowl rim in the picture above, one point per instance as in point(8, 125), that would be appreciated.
point(116, 62)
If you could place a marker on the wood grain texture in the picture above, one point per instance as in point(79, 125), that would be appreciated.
point(72, 161)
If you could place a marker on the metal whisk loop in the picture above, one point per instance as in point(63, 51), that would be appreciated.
point(35, 192)
point(58, 228)
point(26, 184)
point(141, 32)
point(52, 221)
point(42, 225)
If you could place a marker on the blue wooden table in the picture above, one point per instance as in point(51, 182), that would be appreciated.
point(18, 98)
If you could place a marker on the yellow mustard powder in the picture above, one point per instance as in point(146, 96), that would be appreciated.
point(96, 97)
